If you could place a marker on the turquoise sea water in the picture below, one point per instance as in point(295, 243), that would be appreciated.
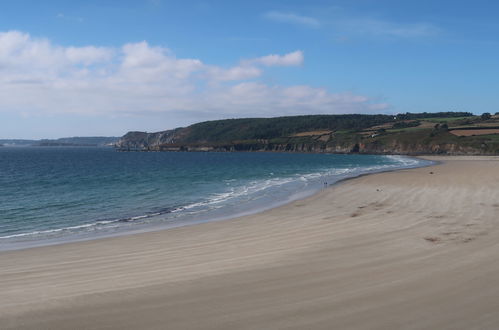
point(57, 194)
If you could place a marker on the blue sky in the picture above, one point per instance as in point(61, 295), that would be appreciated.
point(86, 68)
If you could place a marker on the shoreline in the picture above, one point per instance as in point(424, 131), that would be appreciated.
point(415, 248)
point(167, 225)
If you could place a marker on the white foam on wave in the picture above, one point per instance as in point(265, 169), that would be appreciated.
point(141, 217)
point(248, 189)
point(407, 161)
point(101, 223)
point(57, 230)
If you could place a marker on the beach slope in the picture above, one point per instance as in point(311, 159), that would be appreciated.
point(412, 249)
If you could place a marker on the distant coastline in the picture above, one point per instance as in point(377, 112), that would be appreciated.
point(93, 141)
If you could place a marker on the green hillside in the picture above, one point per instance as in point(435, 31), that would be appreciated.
point(410, 133)
point(270, 128)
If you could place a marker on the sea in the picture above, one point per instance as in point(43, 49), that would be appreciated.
point(50, 195)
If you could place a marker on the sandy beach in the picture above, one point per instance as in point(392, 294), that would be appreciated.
point(412, 249)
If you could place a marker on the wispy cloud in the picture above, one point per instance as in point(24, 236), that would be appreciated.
point(382, 28)
point(70, 18)
point(285, 17)
point(39, 77)
point(349, 25)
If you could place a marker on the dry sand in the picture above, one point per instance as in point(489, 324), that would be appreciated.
point(399, 250)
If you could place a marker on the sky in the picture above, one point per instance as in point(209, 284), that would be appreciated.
point(102, 68)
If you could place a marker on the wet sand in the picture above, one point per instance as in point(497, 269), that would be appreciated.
point(412, 249)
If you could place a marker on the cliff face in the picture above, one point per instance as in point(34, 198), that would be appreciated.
point(424, 149)
point(145, 141)
point(163, 142)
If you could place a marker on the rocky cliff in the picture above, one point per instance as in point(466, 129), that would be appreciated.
point(146, 141)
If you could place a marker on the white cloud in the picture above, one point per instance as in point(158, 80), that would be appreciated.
point(284, 17)
point(291, 59)
point(20, 53)
point(241, 72)
point(258, 99)
point(88, 55)
point(40, 78)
